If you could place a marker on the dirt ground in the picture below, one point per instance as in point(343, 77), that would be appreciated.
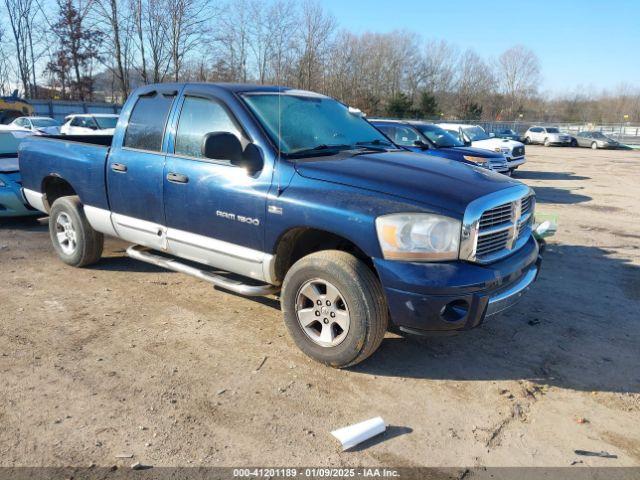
point(123, 357)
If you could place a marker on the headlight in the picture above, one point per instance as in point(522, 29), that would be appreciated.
point(476, 160)
point(418, 236)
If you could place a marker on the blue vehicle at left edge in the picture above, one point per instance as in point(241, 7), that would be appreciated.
point(263, 190)
point(430, 139)
point(12, 201)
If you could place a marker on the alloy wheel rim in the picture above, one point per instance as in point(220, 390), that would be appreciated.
point(66, 234)
point(322, 313)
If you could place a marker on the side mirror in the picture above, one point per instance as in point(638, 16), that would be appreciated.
point(421, 144)
point(226, 146)
point(467, 143)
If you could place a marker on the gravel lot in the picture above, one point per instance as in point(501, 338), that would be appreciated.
point(123, 357)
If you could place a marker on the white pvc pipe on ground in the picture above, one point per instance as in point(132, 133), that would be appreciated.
point(354, 434)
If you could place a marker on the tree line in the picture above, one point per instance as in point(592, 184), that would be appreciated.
point(102, 49)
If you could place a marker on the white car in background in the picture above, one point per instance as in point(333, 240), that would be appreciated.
point(37, 125)
point(547, 136)
point(89, 124)
point(475, 136)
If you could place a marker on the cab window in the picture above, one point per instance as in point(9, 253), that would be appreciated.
point(405, 136)
point(198, 117)
point(147, 122)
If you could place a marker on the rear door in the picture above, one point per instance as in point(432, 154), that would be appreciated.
point(214, 210)
point(135, 170)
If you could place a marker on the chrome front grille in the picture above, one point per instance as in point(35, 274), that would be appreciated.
point(497, 225)
point(518, 152)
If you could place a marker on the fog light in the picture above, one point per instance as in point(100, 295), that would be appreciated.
point(455, 311)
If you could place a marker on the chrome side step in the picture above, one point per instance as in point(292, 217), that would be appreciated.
point(145, 255)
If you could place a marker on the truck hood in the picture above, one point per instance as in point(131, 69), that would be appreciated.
point(432, 181)
point(493, 143)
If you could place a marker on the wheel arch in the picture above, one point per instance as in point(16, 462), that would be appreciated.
point(53, 187)
point(298, 242)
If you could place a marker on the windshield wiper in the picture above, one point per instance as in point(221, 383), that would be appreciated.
point(377, 145)
point(324, 149)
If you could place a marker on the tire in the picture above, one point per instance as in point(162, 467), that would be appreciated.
point(546, 142)
point(527, 141)
point(594, 146)
point(74, 240)
point(358, 293)
point(512, 172)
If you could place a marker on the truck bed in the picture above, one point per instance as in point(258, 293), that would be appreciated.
point(79, 159)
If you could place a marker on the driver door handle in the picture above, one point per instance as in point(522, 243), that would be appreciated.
point(177, 178)
point(119, 167)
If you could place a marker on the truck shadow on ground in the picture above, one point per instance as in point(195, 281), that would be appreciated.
point(563, 196)
point(577, 329)
point(36, 224)
point(534, 175)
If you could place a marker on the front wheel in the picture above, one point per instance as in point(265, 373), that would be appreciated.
point(74, 240)
point(594, 146)
point(334, 308)
point(546, 142)
point(527, 141)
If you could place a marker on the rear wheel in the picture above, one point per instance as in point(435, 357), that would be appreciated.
point(594, 146)
point(334, 308)
point(74, 240)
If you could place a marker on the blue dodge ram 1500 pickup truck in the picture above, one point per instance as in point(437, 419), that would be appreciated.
point(291, 191)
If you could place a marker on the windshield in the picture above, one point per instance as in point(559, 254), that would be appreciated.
point(440, 137)
point(507, 132)
point(553, 130)
point(302, 121)
point(475, 133)
point(106, 122)
point(44, 122)
point(599, 135)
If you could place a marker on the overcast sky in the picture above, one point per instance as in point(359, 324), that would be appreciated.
point(580, 43)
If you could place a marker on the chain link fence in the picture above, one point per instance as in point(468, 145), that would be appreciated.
point(622, 132)
point(59, 109)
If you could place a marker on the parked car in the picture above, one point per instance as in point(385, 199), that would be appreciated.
point(476, 136)
point(428, 138)
point(509, 134)
point(89, 124)
point(546, 136)
point(12, 201)
point(292, 192)
point(595, 140)
point(37, 125)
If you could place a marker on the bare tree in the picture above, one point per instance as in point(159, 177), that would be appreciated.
point(117, 28)
point(314, 44)
point(22, 18)
point(187, 27)
point(4, 65)
point(519, 74)
point(474, 84)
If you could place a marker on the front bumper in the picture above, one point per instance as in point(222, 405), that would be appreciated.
point(516, 162)
point(13, 204)
point(446, 296)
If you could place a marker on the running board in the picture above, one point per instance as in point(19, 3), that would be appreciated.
point(143, 254)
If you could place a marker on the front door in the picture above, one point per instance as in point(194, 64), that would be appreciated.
point(135, 172)
point(214, 210)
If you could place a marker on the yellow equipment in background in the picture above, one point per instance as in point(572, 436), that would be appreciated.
point(13, 107)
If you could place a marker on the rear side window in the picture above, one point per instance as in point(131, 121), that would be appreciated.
point(198, 117)
point(147, 122)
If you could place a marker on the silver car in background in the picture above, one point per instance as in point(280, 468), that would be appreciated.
point(546, 136)
point(596, 140)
